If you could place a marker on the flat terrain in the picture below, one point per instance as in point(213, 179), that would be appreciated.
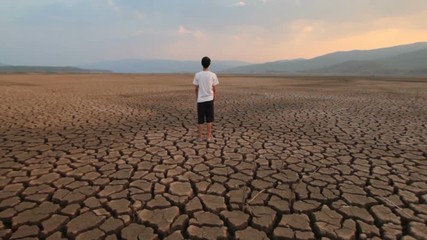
point(113, 156)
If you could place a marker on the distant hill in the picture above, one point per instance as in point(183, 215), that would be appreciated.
point(412, 63)
point(46, 69)
point(160, 66)
point(403, 59)
point(268, 67)
point(354, 68)
point(421, 71)
point(407, 61)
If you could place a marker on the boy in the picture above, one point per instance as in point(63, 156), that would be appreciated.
point(205, 87)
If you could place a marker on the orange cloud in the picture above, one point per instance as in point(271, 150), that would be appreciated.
point(308, 38)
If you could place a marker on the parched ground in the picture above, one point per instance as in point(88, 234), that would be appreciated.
point(113, 156)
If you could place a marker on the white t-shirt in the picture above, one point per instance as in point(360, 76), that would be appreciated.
point(205, 80)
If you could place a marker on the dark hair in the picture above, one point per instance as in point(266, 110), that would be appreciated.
point(206, 61)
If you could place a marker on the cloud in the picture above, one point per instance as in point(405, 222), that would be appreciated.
point(112, 5)
point(183, 31)
point(139, 15)
point(240, 4)
point(302, 26)
point(199, 34)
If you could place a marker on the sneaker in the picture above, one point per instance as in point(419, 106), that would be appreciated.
point(211, 139)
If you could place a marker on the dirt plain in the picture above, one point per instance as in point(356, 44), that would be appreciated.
point(112, 156)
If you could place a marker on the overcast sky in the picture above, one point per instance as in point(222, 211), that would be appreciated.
point(77, 32)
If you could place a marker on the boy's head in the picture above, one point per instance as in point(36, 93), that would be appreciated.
point(206, 62)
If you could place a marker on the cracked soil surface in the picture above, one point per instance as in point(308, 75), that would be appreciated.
point(113, 157)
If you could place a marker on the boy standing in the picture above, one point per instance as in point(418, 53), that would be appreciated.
point(205, 87)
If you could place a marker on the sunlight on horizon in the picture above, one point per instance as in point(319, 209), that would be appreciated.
point(80, 32)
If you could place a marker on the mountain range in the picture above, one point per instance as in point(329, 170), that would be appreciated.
point(410, 59)
point(46, 69)
point(161, 66)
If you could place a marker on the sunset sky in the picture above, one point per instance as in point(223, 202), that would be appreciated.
point(78, 32)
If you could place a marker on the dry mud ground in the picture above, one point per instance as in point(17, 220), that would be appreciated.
point(112, 156)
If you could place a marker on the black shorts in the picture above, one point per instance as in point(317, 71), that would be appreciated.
point(205, 110)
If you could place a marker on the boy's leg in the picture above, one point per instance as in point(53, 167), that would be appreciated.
point(209, 130)
point(210, 118)
point(200, 119)
point(199, 131)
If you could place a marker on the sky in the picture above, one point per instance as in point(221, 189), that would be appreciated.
point(79, 32)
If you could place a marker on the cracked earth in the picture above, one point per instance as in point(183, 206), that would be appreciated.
point(113, 157)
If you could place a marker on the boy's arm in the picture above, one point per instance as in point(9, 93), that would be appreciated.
point(196, 86)
point(215, 82)
point(214, 92)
